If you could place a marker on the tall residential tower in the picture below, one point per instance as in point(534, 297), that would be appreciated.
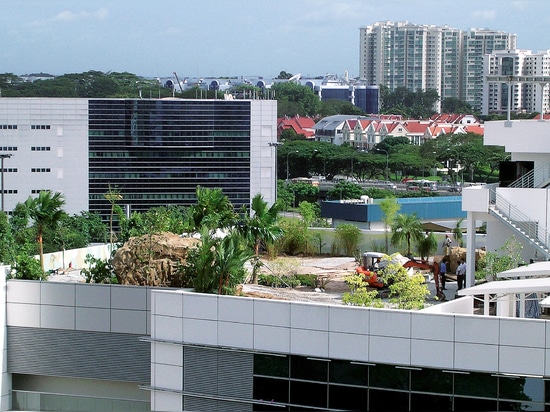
point(448, 60)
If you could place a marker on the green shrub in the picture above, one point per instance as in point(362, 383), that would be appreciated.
point(99, 270)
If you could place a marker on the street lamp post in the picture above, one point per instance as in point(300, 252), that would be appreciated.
point(287, 155)
point(2, 157)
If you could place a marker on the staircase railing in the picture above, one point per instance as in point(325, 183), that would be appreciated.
point(524, 225)
point(539, 177)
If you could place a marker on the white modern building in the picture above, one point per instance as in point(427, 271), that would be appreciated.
point(155, 151)
point(526, 96)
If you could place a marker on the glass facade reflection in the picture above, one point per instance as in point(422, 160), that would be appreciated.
point(155, 152)
point(301, 383)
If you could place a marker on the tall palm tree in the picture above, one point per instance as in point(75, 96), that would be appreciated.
point(261, 226)
point(46, 209)
point(406, 228)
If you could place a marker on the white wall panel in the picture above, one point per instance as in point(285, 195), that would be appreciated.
point(394, 323)
point(57, 317)
point(308, 316)
point(129, 321)
point(477, 329)
point(390, 350)
point(341, 319)
point(52, 293)
point(167, 328)
point(166, 401)
point(309, 342)
point(95, 319)
point(432, 353)
point(232, 334)
point(200, 306)
point(471, 356)
point(23, 291)
point(268, 312)
point(198, 331)
point(521, 360)
point(348, 346)
point(20, 314)
point(236, 309)
point(271, 339)
point(523, 332)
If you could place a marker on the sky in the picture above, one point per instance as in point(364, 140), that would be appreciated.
point(215, 38)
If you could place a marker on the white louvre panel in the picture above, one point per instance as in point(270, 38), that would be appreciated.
point(79, 354)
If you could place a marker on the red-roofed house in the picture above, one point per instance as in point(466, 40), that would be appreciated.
point(300, 125)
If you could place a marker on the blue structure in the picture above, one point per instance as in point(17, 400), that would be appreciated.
point(426, 208)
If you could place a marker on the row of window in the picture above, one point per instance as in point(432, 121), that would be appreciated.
point(41, 170)
point(292, 381)
point(33, 126)
point(40, 148)
point(11, 192)
point(8, 148)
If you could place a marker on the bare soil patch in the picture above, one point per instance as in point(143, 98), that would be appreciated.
point(333, 271)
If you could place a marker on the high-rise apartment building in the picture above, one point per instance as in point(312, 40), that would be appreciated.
point(476, 43)
point(448, 60)
point(526, 96)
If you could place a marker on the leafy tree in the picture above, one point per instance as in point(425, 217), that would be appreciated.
point(307, 103)
point(7, 242)
point(288, 135)
point(457, 232)
point(345, 190)
point(212, 210)
point(347, 236)
point(217, 265)
point(454, 105)
point(46, 209)
point(406, 228)
point(284, 75)
point(417, 105)
point(427, 245)
point(309, 212)
point(27, 267)
point(406, 292)
point(389, 208)
point(360, 294)
point(334, 106)
point(295, 237)
point(98, 270)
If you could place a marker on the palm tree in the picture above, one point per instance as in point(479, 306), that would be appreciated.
point(261, 226)
point(213, 210)
point(46, 209)
point(406, 228)
point(457, 232)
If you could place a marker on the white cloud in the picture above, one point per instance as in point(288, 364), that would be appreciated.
point(67, 15)
point(484, 14)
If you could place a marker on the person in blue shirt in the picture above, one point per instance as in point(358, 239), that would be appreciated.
point(442, 271)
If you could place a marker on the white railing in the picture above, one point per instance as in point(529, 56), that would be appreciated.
point(524, 225)
point(536, 178)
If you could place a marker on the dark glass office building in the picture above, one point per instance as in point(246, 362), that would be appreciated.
point(155, 152)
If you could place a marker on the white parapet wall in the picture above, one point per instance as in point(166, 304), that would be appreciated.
point(75, 258)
